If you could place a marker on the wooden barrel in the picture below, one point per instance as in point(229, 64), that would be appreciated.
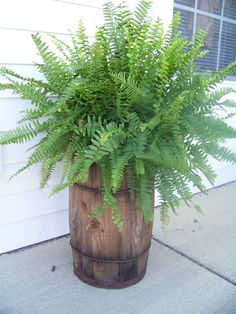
point(103, 256)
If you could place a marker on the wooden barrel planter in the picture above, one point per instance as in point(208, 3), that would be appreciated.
point(103, 256)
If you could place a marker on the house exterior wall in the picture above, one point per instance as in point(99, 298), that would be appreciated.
point(27, 215)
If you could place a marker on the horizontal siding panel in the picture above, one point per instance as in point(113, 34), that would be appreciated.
point(25, 181)
point(225, 175)
point(228, 83)
point(231, 143)
point(30, 204)
point(1, 159)
point(89, 3)
point(47, 16)
point(96, 3)
point(10, 112)
point(216, 165)
point(25, 70)
point(18, 47)
point(17, 153)
point(34, 230)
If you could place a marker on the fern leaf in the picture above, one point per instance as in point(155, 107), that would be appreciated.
point(141, 12)
point(98, 211)
point(116, 217)
point(21, 134)
point(164, 216)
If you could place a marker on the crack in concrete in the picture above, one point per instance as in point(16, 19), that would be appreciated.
point(195, 261)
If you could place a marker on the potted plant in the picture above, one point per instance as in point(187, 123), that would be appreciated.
point(132, 113)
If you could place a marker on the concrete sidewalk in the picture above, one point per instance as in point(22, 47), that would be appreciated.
point(192, 270)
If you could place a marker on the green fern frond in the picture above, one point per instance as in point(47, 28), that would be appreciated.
point(141, 13)
point(164, 216)
point(119, 169)
point(59, 187)
point(133, 103)
point(220, 153)
point(31, 114)
point(128, 87)
point(5, 72)
point(98, 211)
point(115, 211)
point(21, 134)
point(215, 128)
point(81, 39)
point(47, 168)
point(62, 47)
point(54, 67)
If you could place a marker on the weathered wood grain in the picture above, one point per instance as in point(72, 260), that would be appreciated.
point(100, 239)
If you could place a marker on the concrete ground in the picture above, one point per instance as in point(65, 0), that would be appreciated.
point(192, 270)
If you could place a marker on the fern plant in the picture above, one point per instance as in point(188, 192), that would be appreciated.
point(133, 103)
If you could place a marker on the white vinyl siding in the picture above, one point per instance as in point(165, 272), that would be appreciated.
point(27, 215)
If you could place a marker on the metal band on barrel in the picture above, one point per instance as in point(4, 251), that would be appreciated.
point(99, 190)
point(110, 260)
